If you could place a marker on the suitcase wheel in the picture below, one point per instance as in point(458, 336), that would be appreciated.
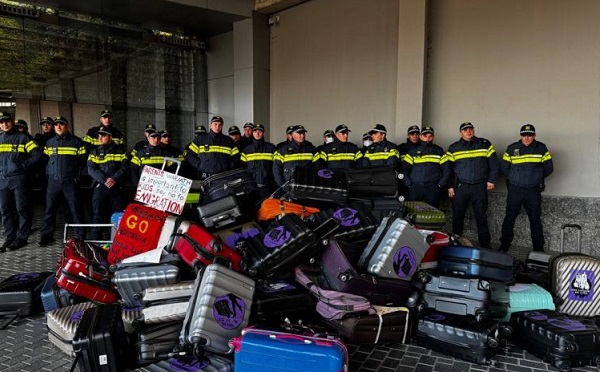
point(325, 242)
point(421, 306)
point(343, 277)
point(506, 330)
point(597, 361)
point(424, 277)
point(112, 268)
point(571, 347)
point(480, 315)
point(493, 342)
point(412, 300)
point(563, 365)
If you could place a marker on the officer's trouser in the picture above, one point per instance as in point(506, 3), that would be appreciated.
point(54, 196)
point(428, 194)
point(477, 195)
point(531, 199)
point(105, 202)
point(15, 208)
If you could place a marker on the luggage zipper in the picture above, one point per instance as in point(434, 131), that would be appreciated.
point(476, 261)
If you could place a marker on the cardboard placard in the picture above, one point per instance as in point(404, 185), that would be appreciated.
point(162, 190)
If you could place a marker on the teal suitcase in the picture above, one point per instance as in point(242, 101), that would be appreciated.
point(525, 297)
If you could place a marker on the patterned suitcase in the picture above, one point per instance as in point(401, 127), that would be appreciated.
point(527, 297)
point(221, 213)
point(219, 310)
point(575, 284)
point(338, 261)
point(394, 251)
point(424, 215)
point(480, 298)
point(208, 362)
point(357, 223)
point(461, 337)
point(62, 324)
point(476, 263)
point(561, 340)
point(312, 185)
point(266, 350)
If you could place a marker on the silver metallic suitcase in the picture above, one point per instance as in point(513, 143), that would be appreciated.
point(168, 291)
point(395, 250)
point(62, 324)
point(165, 303)
point(130, 315)
point(575, 284)
point(219, 309)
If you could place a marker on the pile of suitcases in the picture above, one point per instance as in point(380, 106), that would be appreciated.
point(336, 258)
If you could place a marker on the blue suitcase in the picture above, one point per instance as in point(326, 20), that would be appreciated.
point(266, 350)
point(476, 263)
point(54, 297)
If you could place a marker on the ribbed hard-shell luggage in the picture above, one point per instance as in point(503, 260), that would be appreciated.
point(424, 215)
point(20, 295)
point(165, 303)
point(357, 224)
point(183, 289)
point(286, 243)
point(130, 315)
point(156, 342)
point(100, 342)
point(266, 350)
point(461, 337)
point(561, 340)
point(54, 297)
point(208, 362)
point(132, 278)
point(461, 296)
point(219, 309)
point(527, 297)
point(200, 247)
point(232, 235)
point(394, 251)
point(575, 284)
point(338, 261)
point(318, 185)
point(62, 324)
point(390, 324)
point(436, 240)
point(279, 300)
point(221, 213)
point(372, 182)
point(475, 262)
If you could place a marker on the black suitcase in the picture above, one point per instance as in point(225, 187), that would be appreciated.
point(382, 207)
point(156, 342)
point(286, 243)
point(461, 337)
point(100, 341)
point(372, 182)
point(357, 224)
point(221, 213)
point(20, 295)
point(392, 326)
point(276, 301)
point(561, 340)
point(309, 185)
point(477, 263)
point(237, 182)
point(338, 261)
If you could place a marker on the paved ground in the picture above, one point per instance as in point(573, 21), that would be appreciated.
point(25, 346)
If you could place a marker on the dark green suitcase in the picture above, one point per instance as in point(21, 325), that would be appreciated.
point(424, 215)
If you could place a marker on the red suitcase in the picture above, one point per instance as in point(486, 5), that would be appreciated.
point(83, 271)
point(199, 247)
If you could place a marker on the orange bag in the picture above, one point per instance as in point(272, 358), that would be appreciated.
point(273, 208)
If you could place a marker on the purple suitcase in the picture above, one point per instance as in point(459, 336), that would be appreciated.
point(338, 262)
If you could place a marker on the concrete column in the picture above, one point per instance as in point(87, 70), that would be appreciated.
point(251, 46)
point(412, 61)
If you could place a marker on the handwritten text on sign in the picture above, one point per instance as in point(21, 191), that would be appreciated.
point(162, 190)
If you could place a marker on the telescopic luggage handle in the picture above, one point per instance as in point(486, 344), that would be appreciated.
point(173, 160)
point(562, 236)
point(89, 226)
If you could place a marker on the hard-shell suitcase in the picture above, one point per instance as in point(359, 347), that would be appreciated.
point(62, 324)
point(279, 300)
point(130, 315)
point(462, 296)
point(381, 207)
point(208, 362)
point(156, 342)
point(219, 309)
point(357, 224)
point(561, 340)
point(232, 235)
point(20, 295)
point(237, 182)
point(318, 185)
point(272, 351)
point(475, 262)
point(221, 213)
point(173, 225)
point(372, 182)
point(115, 219)
point(200, 247)
point(424, 215)
point(183, 289)
point(436, 240)
point(100, 342)
point(527, 297)
point(461, 337)
point(575, 284)
point(390, 324)
point(165, 303)
point(54, 297)
point(338, 261)
point(132, 278)
point(394, 251)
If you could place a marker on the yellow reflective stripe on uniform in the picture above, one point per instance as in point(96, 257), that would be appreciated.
point(136, 161)
point(307, 156)
point(546, 156)
point(89, 139)
point(30, 146)
point(194, 148)
point(216, 149)
point(358, 155)
point(428, 159)
point(278, 157)
point(257, 156)
point(444, 159)
point(107, 158)
point(316, 157)
point(119, 141)
point(235, 151)
point(64, 151)
point(339, 157)
point(522, 159)
point(153, 160)
point(408, 159)
point(381, 155)
point(491, 151)
point(8, 147)
point(469, 154)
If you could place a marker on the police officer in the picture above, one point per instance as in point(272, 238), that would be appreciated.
point(425, 170)
point(367, 141)
point(526, 164)
point(473, 163)
point(288, 137)
point(258, 158)
point(106, 119)
point(412, 141)
point(340, 154)
point(212, 152)
point(236, 135)
point(200, 129)
point(382, 152)
point(152, 155)
point(148, 130)
point(46, 132)
point(22, 126)
point(171, 151)
point(18, 155)
point(107, 165)
point(298, 152)
point(66, 156)
point(247, 136)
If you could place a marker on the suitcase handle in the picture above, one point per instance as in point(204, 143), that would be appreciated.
point(563, 228)
point(173, 160)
